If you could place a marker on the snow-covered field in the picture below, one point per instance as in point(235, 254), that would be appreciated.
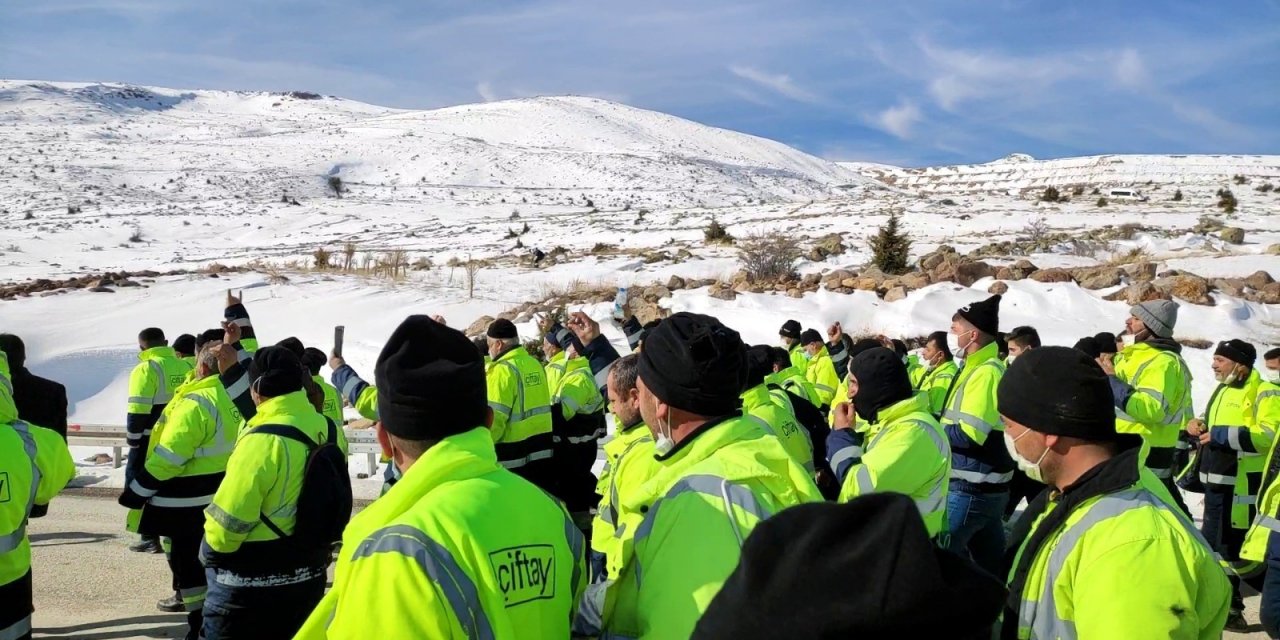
point(199, 176)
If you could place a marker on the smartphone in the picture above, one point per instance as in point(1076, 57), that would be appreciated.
point(338, 333)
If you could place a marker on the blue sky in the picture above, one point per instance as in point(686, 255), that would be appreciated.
point(921, 82)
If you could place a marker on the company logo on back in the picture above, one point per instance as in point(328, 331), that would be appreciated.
point(525, 573)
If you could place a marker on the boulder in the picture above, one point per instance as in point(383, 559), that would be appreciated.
point(914, 280)
point(865, 284)
point(480, 326)
point(1274, 249)
point(1053, 274)
point(829, 245)
point(1230, 286)
point(721, 292)
point(1259, 279)
point(810, 280)
point(832, 280)
point(1269, 294)
point(1232, 235)
point(1139, 292)
point(795, 293)
point(968, 273)
point(1191, 288)
point(998, 288)
point(895, 294)
point(655, 293)
point(676, 283)
point(1141, 271)
point(1097, 277)
point(102, 290)
point(849, 283)
point(741, 286)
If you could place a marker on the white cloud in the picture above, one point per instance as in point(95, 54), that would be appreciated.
point(779, 83)
point(1130, 70)
point(486, 92)
point(898, 120)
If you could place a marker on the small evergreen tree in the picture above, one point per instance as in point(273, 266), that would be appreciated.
point(1050, 195)
point(1102, 202)
point(335, 185)
point(890, 248)
point(1177, 195)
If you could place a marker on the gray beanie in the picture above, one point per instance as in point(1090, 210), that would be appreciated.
point(1158, 315)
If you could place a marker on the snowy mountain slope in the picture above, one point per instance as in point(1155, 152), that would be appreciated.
point(1018, 172)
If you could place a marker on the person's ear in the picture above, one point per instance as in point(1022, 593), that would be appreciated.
point(384, 439)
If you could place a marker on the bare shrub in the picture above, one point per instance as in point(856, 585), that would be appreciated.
point(769, 256)
point(716, 233)
point(321, 257)
point(1037, 229)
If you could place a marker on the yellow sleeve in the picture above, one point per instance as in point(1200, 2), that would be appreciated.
point(502, 397)
point(891, 463)
point(237, 506)
point(184, 430)
point(54, 461)
point(978, 415)
point(1148, 404)
point(143, 386)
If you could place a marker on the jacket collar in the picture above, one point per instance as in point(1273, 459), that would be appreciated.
point(896, 411)
point(289, 404)
point(157, 353)
point(989, 352)
point(756, 396)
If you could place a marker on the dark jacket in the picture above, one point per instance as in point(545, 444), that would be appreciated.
point(40, 401)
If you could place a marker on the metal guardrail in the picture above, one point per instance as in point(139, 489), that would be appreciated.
point(359, 442)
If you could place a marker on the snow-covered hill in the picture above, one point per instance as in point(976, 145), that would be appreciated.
point(1017, 173)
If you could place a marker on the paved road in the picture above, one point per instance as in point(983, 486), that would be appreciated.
point(89, 586)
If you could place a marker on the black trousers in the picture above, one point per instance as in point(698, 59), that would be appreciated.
point(253, 613)
point(16, 608)
point(188, 576)
point(1224, 539)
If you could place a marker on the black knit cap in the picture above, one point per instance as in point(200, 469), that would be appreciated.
point(430, 382)
point(759, 365)
point(692, 362)
point(1088, 346)
point(293, 344)
point(502, 329)
point(810, 336)
point(866, 569)
point(1237, 351)
point(865, 344)
point(882, 381)
point(1059, 391)
point(207, 336)
point(279, 372)
point(313, 359)
point(790, 329)
point(983, 315)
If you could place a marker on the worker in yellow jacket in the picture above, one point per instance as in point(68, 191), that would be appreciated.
point(1231, 442)
point(265, 559)
point(152, 382)
point(937, 372)
point(628, 462)
point(773, 410)
point(820, 371)
point(1262, 543)
point(35, 465)
point(906, 450)
point(521, 403)
point(186, 461)
point(720, 475)
point(460, 547)
point(1107, 523)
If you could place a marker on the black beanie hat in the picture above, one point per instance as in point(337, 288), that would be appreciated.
point(502, 329)
point(866, 569)
point(865, 344)
point(430, 382)
point(790, 329)
point(185, 343)
point(692, 362)
point(1087, 346)
point(279, 372)
point(810, 336)
point(900, 348)
point(293, 344)
point(1059, 391)
point(984, 315)
point(759, 365)
point(882, 381)
point(1106, 342)
point(313, 359)
point(1237, 351)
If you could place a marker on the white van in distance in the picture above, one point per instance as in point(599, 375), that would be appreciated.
point(1126, 194)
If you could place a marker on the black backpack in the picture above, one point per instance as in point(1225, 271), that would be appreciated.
point(324, 504)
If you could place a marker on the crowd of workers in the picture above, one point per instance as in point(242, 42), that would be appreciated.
point(983, 486)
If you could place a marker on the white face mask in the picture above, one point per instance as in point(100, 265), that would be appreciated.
point(1272, 376)
point(663, 444)
point(1228, 379)
point(1008, 361)
point(1128, 339)
point(1032, 469)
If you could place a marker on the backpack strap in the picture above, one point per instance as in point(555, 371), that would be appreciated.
point(289, 433)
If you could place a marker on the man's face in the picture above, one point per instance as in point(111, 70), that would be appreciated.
point(1016, 349)
point(853, 386)
point(1273, 365)
point(650, 408)
point(626, 406)
point(549, 350)
point(788, 342)
point(1222, 367)
point(964, 333)
point(1134, 326)
point(1033, 446)
point(812, 348)
point(931, 351)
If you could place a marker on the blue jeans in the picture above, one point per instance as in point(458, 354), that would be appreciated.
point(1269, 605)
point(975, 527)
point(232, 613)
